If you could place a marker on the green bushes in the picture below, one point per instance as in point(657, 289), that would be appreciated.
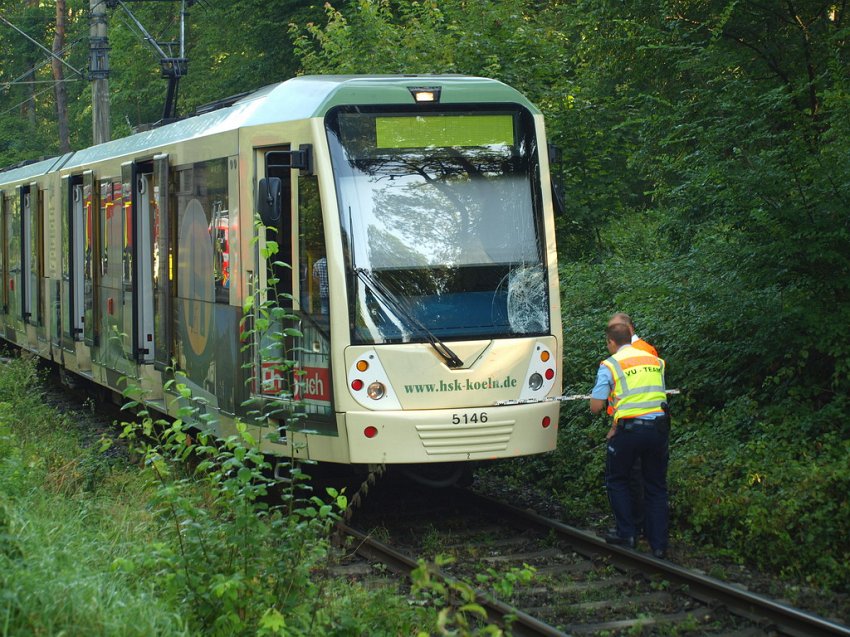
point(759, 453)
point(239, 564)
point(767, 491)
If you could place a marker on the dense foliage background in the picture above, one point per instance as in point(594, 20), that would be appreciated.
point(707, 177)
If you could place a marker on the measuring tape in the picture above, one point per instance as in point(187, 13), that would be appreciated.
point(560, 399)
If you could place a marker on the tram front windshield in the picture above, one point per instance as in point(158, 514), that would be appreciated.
point(441, 223)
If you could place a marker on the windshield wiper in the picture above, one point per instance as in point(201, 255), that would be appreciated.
point(387, 297)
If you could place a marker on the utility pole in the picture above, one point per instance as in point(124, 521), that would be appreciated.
point(99, 72)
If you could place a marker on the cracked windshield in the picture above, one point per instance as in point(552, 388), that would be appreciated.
point(441, 224)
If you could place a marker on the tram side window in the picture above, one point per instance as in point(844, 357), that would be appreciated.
point(127, 240)
point(203, 187)
point(112, 232)
point(313, 270)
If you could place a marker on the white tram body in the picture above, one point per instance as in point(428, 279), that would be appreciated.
point(415, 213)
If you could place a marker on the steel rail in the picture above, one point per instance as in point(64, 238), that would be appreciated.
point(786, 619)
point(522, 624)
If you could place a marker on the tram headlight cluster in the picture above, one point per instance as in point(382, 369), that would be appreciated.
point(540, 377)
point(370, 384)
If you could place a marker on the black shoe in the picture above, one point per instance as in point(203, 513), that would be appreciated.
point(661, 554)
point(641, 535)
point(628, 542)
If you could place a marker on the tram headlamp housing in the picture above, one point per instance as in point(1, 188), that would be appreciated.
point(376, 391)
point(425, 94)
point(535, 381)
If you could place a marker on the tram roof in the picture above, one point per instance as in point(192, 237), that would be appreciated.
point(298, 98)
point(30, 170)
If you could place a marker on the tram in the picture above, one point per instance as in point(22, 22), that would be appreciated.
point(405, 229)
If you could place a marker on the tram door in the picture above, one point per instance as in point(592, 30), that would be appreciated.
point(91, 261)
point(73, 260)
point(272, 347)
point(13, 285)
point(32, 263)
point(305, 278)
point(139, 246)
point(162, 259)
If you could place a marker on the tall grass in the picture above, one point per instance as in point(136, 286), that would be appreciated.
point(61, 533)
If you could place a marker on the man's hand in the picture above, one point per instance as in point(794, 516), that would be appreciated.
point(597, 405)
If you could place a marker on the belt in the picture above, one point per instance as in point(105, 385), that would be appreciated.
point(634, 423)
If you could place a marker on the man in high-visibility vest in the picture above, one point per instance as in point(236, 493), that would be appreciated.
point(636, 479)
point(634, 379)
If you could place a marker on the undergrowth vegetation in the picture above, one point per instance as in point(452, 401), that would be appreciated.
point(91, 545)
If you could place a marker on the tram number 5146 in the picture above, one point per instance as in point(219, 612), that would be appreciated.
point(466, 419)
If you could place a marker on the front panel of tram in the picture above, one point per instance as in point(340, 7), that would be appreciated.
point(442, 223)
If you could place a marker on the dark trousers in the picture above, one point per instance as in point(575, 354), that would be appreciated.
point(648, 445)
point(636, 490)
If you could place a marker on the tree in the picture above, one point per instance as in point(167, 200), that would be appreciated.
point(59, 78)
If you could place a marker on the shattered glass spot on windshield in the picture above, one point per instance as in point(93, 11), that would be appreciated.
point(527, 300)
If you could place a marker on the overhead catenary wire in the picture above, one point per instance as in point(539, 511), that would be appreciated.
point(20, 79)
point(22, 102)
point(27, 82)
point(40, 46)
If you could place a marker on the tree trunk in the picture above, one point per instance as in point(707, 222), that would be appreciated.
point(29, 105)
point(59, 79)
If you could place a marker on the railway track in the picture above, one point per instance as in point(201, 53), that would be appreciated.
point(582, 585)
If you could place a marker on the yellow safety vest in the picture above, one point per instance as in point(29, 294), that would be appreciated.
point(638, 383)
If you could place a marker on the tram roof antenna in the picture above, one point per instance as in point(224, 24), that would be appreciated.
point(172, 68)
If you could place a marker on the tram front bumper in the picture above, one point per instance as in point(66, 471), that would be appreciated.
point(452, 435)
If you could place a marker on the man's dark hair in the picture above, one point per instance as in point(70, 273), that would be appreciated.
point(619, 333)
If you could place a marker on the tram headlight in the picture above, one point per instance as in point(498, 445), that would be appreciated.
point(376, 391)
point(535, 381)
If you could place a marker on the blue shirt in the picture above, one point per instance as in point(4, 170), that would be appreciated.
point(604, 384)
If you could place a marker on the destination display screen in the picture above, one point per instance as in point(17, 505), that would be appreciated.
point(436, 131)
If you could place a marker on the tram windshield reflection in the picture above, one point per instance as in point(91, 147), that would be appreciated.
point(442, 211)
